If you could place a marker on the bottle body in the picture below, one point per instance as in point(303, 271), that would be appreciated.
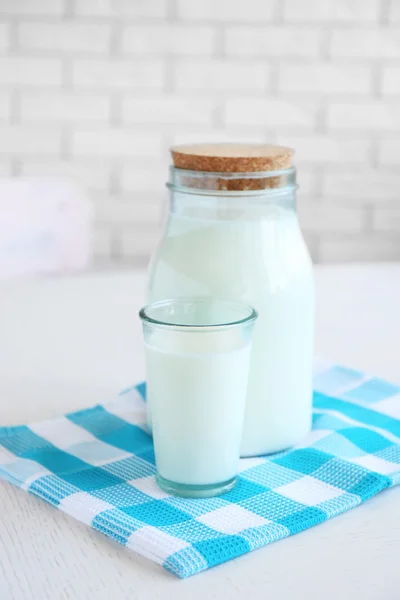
point(250, 248)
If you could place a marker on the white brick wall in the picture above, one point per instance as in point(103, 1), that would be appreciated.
point(374, 116)
point(227, 10)
point(164, 109)
point(332, 11)
point(87, 38)
point(121, 209)
point(5, 168)
point(391, 81)
point(45, 8)
point(168, 39)
point(394, 12)
point(226, 76)
point(273, 42)
point(5, 107)
point(102, 243)
point(387, 220)
point(22, 142)
point(121, 8)
point(23, 71)
point(326, 217)
point(324, 150)
point(96, 91)
point(363, 186)
point(137, 242)
point(115, 143)
point(389, 152)
point(95, 175)
point(326, 79)
point(191, 135)
point(4, 37)
point(366, 43)
point(118, 74)
point(149, 177)
point(377, 247)
point(277, 113)
point(63, 107)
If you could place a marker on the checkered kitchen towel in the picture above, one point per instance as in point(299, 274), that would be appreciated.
point(98, 466)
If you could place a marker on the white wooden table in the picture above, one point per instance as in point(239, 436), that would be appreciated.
point(68, 343)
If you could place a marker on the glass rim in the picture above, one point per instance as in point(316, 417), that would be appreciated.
point(233, 174)
point(249, 318)
point(237, 183)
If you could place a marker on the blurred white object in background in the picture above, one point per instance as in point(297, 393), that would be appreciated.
point(44, 227)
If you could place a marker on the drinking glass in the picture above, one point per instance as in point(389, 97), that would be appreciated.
point(197, 360)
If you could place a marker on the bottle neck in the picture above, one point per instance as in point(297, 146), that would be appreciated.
point(254, 183)
point(230, 207)
point(229, 196)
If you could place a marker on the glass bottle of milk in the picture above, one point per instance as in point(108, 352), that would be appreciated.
point(232, 233)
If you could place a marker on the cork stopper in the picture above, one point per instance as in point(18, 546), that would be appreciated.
point(230, 159)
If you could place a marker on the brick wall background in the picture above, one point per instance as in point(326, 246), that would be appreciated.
point(98, 90)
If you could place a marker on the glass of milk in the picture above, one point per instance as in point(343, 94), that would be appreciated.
point(197, 359)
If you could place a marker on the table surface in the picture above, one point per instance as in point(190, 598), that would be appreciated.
point(67, 343)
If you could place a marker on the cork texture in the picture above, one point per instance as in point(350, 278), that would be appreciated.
point(233, 158)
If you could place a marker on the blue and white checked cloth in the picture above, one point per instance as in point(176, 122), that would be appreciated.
point(98, 466)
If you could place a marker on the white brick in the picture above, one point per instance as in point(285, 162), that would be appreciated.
point(312, 243)
point(394, 11)
point(306, 180)
point(32, 7)
point(366, 43)
point(389, 152)
point(30, 71)
point(101, 242)
point(211, 136)
point(115, 143)
point(322, 217)
point(363, 186)
point(27, 142)
point(137, 177)
point(118, 74)
point(167, 109)
point(367, 116)
point(139, 242)
point(169, 39)
point(4, 36)
point(93, 176)
point(273, 41)
point(325, 150)
point(218, 75)
point(142, 210)
point(386, 219)
point(274, 112)
point(365, 249)
point(228, 10)
point(347, 11)
point(121, 8)
point(325, 78)
point(65, 37)
point(391, 80)
point(5, 168)
point(39, 107)
point(5, 107)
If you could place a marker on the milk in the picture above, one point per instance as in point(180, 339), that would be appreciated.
point(197, 397)
point(258, 256)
